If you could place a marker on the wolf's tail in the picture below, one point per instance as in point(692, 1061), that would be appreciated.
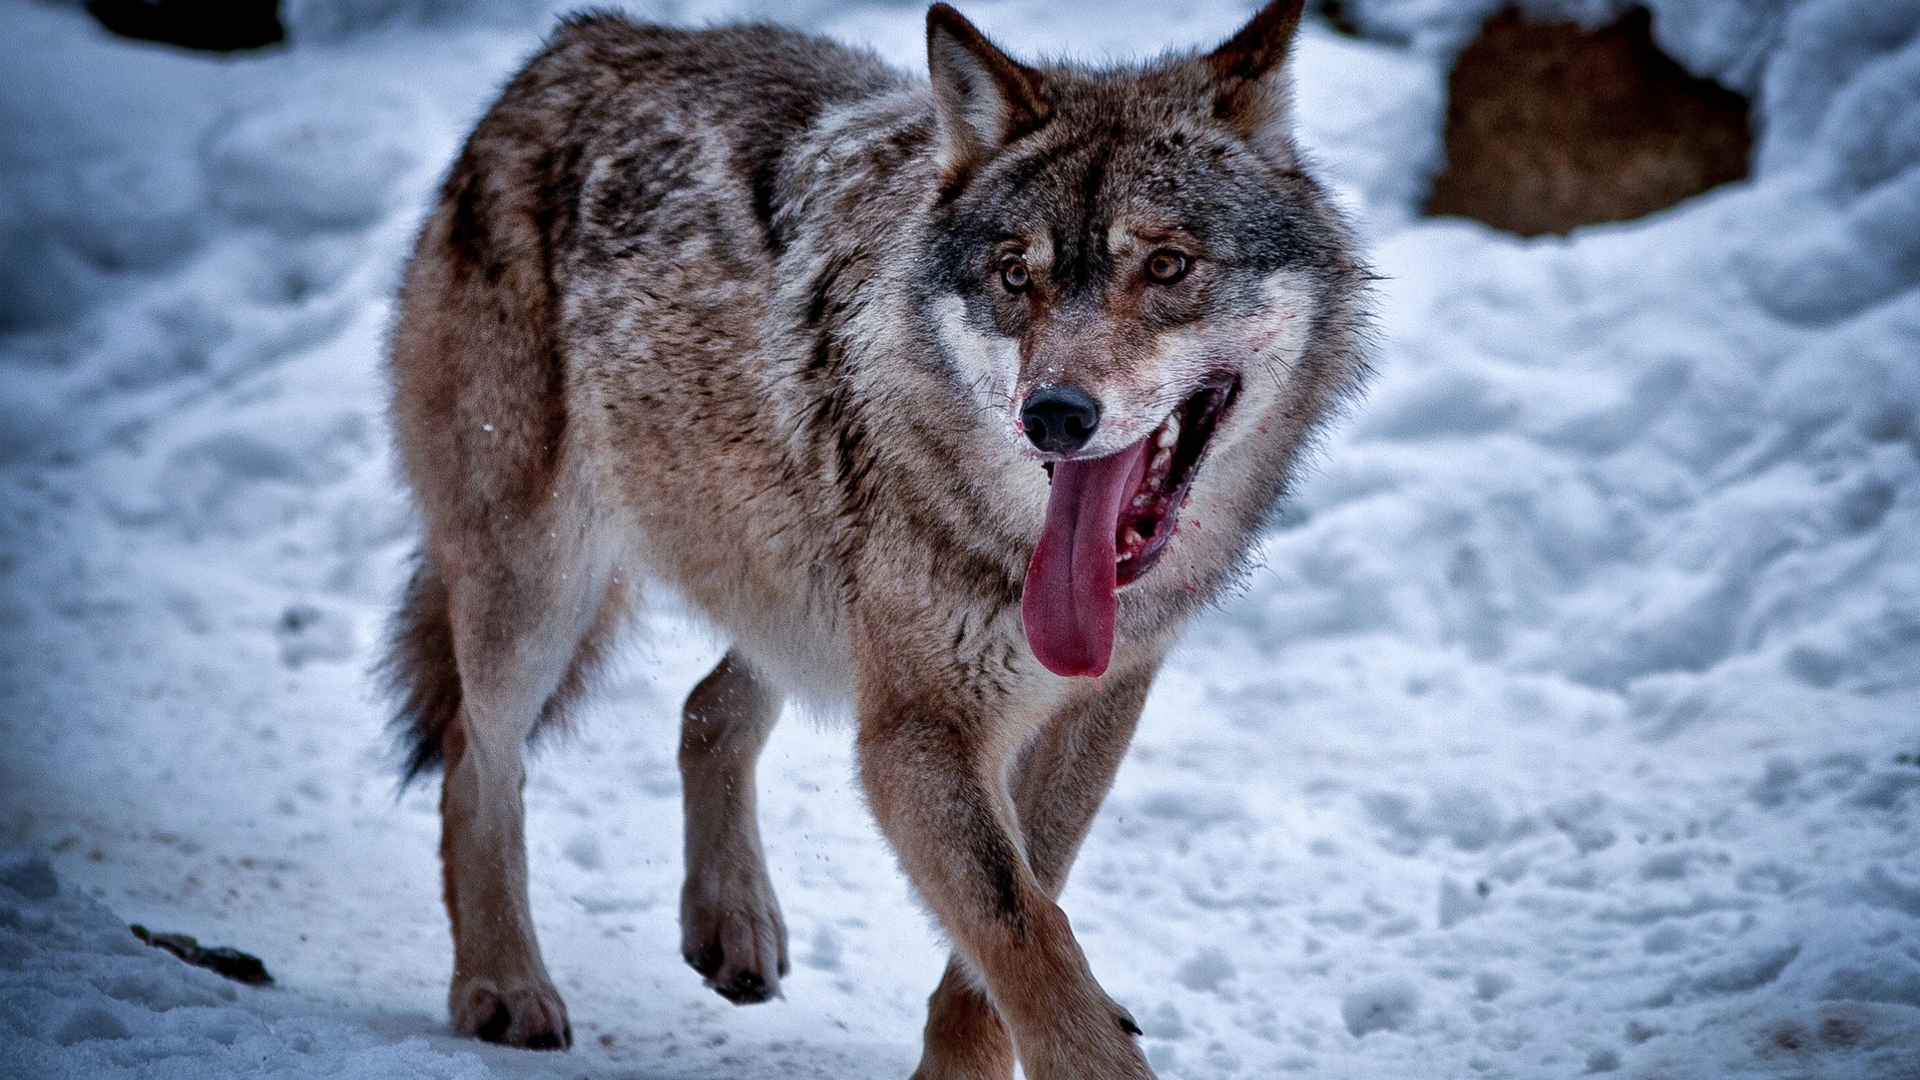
point(479, 409)
point(421, 673)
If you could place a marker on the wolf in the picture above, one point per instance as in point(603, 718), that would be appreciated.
point(950, 402)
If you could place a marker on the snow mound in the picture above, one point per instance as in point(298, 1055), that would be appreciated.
point(332, 157)
point(81, 998)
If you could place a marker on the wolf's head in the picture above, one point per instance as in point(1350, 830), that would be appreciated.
point(1129, 268)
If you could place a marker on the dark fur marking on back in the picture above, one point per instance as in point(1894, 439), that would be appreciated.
point(467, 233)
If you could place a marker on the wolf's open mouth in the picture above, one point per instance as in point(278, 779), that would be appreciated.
point(1148, 517)
point(1108, 520)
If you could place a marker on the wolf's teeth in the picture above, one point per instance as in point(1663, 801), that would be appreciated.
point(1160, 463)
point(1141, 500)
point(1168, 434)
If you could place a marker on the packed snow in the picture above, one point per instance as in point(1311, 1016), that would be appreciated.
point(1570, 727)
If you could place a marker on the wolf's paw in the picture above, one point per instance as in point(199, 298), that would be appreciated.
point(528, 1014)
point(733, 936)
point(1100, 1044)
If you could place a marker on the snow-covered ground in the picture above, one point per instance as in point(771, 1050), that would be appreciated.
point(1573, 727)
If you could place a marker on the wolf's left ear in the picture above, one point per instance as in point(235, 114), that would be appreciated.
point(1250, 83)
point(983, 99)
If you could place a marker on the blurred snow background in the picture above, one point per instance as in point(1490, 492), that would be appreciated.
point(1573, 727)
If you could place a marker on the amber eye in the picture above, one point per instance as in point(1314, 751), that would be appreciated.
point(1166, 267)
point(1013, 273)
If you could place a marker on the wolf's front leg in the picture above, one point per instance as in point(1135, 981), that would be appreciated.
point(933, 766)
point(730, 926)
point(965, 1039)
point(1058, 783)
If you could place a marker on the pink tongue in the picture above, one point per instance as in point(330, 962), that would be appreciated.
point(1068, 603)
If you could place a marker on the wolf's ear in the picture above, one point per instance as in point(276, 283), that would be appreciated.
point(982, 98)
point(1250, 83)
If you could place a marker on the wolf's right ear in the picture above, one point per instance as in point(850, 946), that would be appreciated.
point(982, 98)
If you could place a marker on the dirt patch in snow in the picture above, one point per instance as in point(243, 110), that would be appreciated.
point(1551, 125)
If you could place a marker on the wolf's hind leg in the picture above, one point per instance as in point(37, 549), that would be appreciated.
point(730, 926)
point(525, 630)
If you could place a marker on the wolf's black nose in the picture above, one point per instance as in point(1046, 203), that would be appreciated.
point(1060, 418)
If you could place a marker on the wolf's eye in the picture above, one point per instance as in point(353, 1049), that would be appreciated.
point(1013, 273)
point(1166, 267)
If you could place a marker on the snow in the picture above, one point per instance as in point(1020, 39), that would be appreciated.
point(1570, 727)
